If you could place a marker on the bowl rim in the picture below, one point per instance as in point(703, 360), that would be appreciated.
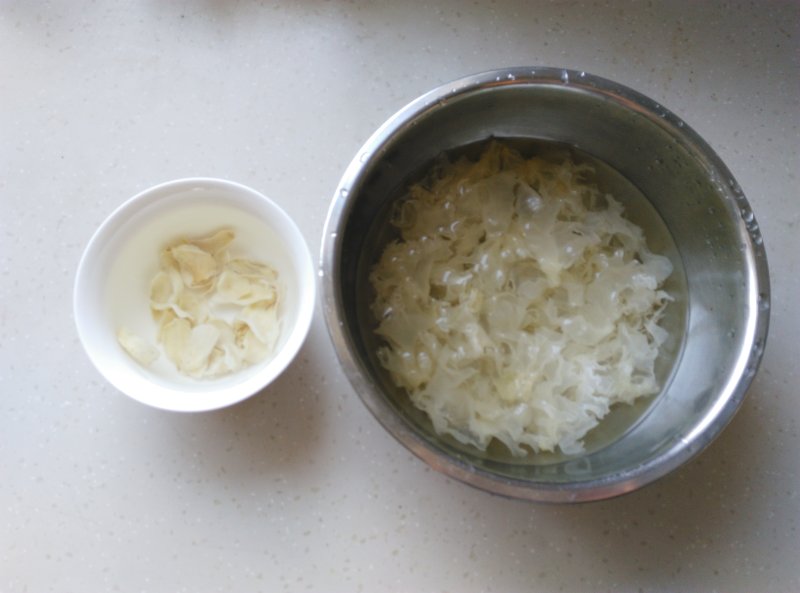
point(687, 447)
point(166, 398)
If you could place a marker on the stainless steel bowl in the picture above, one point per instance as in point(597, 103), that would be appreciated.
point(718, 322)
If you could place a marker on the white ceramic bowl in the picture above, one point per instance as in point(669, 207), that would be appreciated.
point(114, 274)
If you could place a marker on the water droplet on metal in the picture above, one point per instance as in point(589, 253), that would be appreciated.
point(564, 76)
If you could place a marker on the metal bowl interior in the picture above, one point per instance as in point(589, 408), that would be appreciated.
point(690, 206)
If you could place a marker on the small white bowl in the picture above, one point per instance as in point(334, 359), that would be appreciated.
point(114, 274)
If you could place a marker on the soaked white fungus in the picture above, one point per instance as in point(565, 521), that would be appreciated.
point(518, 304)
point(216, 314)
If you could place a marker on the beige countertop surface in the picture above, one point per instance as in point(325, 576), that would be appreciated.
point(299, 488)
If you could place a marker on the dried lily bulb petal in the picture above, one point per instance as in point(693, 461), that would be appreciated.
point(198, 268)
point(251, 269)
point(263, 322)
point(163, 318)
point(215, 243)
point(226, 356)
point(252, 349)
point(174, 336)
point(141, 351)
point(240, 289)
point(192, 306)
point(189, 347)
point(232, 287)
point(195, 353)
point(165, 288)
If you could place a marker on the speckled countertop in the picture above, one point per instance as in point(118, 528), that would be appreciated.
point(299, 488)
